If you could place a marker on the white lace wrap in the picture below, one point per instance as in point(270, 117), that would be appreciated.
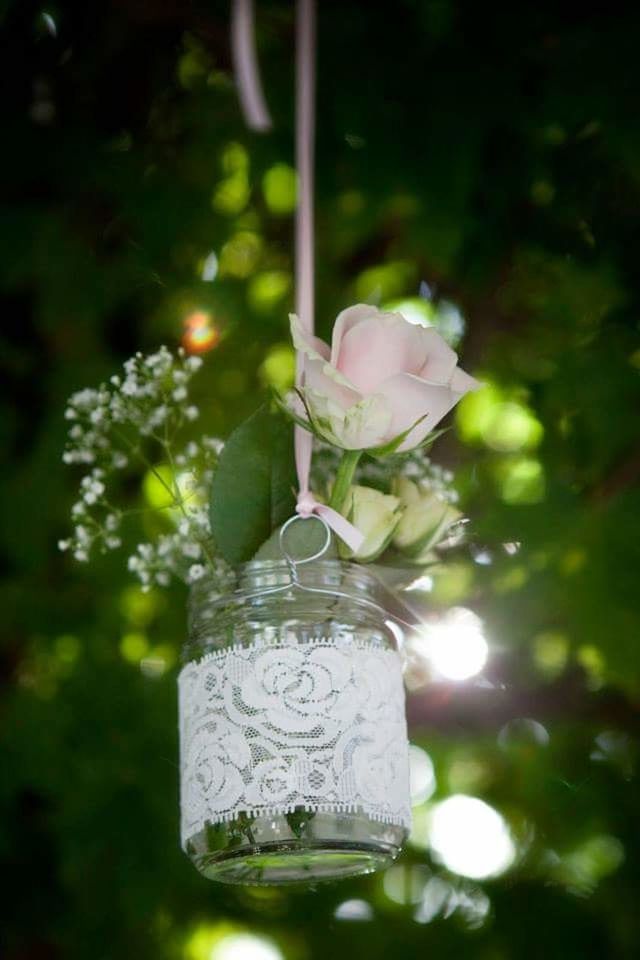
point(266, 728)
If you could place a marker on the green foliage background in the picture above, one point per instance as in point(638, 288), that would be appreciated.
point(492, 151)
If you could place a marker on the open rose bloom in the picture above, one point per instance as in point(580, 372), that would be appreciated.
point(382, 379)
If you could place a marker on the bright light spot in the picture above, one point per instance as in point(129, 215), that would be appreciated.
point(245, 946)
point(455, 645)
point(405, 884)
point(450, 322)
point(483, 558)
point(222, 942)
point(511, 548)
point(422, 312)
point(358, 910)
point(423, 583)
point(209, 269)
point(422, 776)
point(414, 309)
point(471, 838)
point(200, 334)
point(280, 188)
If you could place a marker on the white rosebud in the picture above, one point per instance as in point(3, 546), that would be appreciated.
point(425, 520)
point(179, 394)
point(64, 545)
point(192, 413)
point(81, 555)
point(376, 515)
point(193, 363)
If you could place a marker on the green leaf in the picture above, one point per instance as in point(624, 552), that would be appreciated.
point(253, 487)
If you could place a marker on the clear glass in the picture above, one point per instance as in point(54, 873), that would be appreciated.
point(301, 845)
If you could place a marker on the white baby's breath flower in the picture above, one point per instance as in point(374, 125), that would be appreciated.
point(108, 431)
point(196, 572)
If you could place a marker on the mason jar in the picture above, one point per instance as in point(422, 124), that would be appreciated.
point(293, 742)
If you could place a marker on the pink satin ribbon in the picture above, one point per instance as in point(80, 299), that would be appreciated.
point(245, 67)
point(252, 100)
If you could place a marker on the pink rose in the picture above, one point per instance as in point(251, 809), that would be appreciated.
point(383, 376)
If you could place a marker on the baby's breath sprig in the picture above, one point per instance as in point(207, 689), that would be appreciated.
point(414, 465)
point(117, 426)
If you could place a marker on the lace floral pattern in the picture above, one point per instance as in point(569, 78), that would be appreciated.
point(266, 728)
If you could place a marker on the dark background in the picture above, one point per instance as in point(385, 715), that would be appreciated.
point(491, 151)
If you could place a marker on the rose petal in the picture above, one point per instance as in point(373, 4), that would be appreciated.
point(306, 342)
point(325, 379)
point(410, 398)
point(440, 360)
point(363, 425)
point(345, 320)
point(377, 348)
point(462, 382)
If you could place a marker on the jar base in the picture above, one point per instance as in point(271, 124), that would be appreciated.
point(293, 862)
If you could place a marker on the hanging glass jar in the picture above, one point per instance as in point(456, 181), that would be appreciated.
point(294, 754)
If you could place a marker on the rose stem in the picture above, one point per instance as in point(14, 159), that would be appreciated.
point(344, 478)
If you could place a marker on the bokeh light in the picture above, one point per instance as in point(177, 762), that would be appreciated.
point(354, 910)
point(499, 418)
point(280, 189)
point(445, 316)
point(422, 777)
point(241, 254)
point(268, 288)
point(222, 941)
point(470, 838)
point(209, 267)
point(200, 333)
point(231, 194)
point(454, 645)
point(278, 369)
